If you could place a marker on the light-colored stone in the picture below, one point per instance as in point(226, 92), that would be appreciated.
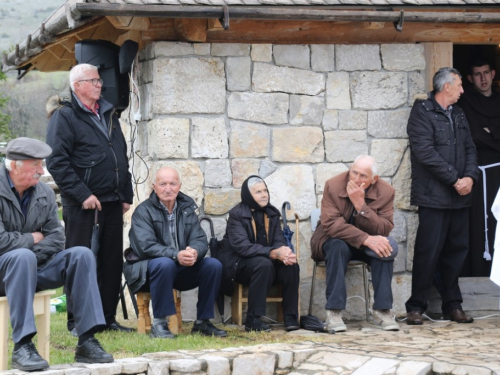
point(168, 138)
point(78, 371)
point(285, 359)
point(219, 227)
point(217, 173)
point(104, 368)
point(352, 120)
point(202, 49)
point(256, 363)
point(217, 365)
point(146, 73)
point(230, 49)
point(146, 102)
point(470, 370)
point(266, 168)
point(133, 365)
point(348, 361)
point(242, 168)
point(300, 355)
point(414, 368)
point(416, 86)
point(283, 187)
point(293, 56)
point(249, 140)
point(270, 78)
point(345, 145)
point(219, 202)
point(388, 154)
point(376, 366)
point(169, 49)
point(442, 368)
point(299, 145)
point(330, 119)
point(306, 110)
point(402, 183)
point(379, 90)
point(185, 365)
point(388, 124)
point(267, 108)
point(209, 138)
point(262, 52)
point(357, 57)
point(337, 91)
point(412, 225)
point(406, 57)
point(238, 73)
point(159, 368)
point(189, 85)
point(322, 57)
point(326, 171)
point(399, 230)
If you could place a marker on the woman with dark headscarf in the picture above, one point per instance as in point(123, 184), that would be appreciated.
point(256, 254)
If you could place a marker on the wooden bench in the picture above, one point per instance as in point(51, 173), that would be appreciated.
point(144, 318)
point(239, 298)
point(41, 308)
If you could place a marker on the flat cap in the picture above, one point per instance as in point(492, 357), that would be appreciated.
point(23, 148)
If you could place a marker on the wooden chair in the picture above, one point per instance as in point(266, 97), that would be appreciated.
point(144, 318)
point(41, 308)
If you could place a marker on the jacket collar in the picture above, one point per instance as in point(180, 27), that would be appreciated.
point(6, 191)
point(184, 202)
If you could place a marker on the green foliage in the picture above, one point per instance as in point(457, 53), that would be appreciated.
point(5, 134)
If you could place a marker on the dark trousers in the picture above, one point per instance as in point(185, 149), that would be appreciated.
point(78, 228)
point(442, 237)
point(337, 256)
point(259, 273)
point(165, 275)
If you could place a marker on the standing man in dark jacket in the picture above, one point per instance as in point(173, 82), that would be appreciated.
point(444, 168)
point(89, 164)
point(170, 247)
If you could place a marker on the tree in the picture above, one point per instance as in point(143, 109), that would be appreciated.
point(5, 134)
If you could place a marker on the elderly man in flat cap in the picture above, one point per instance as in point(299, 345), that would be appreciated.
point(32, 258)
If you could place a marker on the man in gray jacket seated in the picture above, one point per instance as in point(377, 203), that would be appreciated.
point(169, 248)
point(32, 258)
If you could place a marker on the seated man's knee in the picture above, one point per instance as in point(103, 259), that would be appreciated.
point(212, 263)
point(80, 252)
point(333, 248)
point(162, 264)
point(22, 256)
point(394, 246)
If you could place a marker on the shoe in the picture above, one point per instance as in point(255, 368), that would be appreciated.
point(334, 321)
point(161, 331)
point(118, 328)
point(73, 332)
point(91, 351)
point(414, 318)
point(206, 328)
point(458, 316)
point(26, 358)
point(291, 323)
point(385, 320)
point(254, 324)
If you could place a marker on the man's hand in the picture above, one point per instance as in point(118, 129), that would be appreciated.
point(125, 207)
point(187, 257)
point(464, 185)
point(91, 203)
point(379, 244)
point(284, 254)
point(37, 237)
point(356, 194)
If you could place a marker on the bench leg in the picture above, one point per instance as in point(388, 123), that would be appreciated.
point(236, 305)
point(43, 329)
point(4, 334)
point(141, 323)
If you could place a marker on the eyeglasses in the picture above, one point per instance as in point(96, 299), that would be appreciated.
point(93, 80)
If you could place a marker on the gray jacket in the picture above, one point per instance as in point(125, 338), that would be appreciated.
point(15, 229)
point(150, 236)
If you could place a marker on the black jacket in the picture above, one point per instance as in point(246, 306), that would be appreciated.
point(440, 155)
point(150, 236)
point(83, 160)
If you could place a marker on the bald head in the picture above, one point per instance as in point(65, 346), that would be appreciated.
point(364, 171)
point(167, 186)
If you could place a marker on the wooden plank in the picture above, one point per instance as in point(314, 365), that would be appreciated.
point(191, 29)
point(129, 23)
point(437, 55)
point(69, 44)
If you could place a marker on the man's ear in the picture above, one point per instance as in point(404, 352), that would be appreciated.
point(374, 179)
point(493, 73)
point(469, 77)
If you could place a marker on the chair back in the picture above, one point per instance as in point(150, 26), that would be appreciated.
point(315, 214)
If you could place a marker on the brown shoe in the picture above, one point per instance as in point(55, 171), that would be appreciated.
point(414, 318)
point(458, 316)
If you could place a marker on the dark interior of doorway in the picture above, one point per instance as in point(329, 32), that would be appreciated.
point(463, 54)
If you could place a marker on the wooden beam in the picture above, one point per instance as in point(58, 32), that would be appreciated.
point(437, 55)
point(191, 29)
point(373, 25)
point(130, 23)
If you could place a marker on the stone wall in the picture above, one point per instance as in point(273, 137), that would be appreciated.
point(294, 114)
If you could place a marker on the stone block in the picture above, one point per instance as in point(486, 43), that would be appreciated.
point(169, 49)
point(145, 72)
point(202, 49)
point(401, 258)
point(405, 57)
point(159, 368)
point(104, 368)
point(345, 145)
point(147, 101)
point(401, 291)
point(249, 140)
point(209, 138)
point(330, 119)
point(185, 365)
point(255, 363)
point(306, 110)
point(399, 230)
point(217, 365)
point(168, 138)
point(217, 173)
point(188, 85)
point(243, 168)
point(219, 227)
point(414, 368)
point(442, 368)
point(76, 371)
point(322, 57)
point(268, 108)
point(412, 226)
point(270, 78)
point(262, 52)
point(133, 365)
point(266, 168)
point(238, 73)
point(402, 183)
point(326, 171)
point(219, 202)
point(352, 120)
point(376, 366)
point(293, 56)
point(230, 49)
point(298, 145)
point(357, 57)
point(337, 91)
point(416, 86)
point(388, 124)
point(283, 187)
point(388, 154)
point(379, 90)
point(301, 355)
point(285, 359)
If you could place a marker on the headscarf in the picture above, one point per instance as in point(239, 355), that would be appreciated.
point(247, 198)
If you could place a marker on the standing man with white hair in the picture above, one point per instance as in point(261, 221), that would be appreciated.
point(443, 169)
point(89, 164)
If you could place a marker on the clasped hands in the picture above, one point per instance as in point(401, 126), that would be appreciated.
point(463, 186)
point(284, 254)
point(187, 257)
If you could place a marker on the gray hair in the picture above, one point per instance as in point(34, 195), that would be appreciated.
point(374, 163)
point(444, 76)
point(8, 163)
point(254, 181)
point(77, 73)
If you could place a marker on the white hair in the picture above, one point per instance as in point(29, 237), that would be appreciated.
point(374, 163)
point(77, 73)
point(8, 163)
point(254, 181)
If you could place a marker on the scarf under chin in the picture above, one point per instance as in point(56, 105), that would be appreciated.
point(246, 196)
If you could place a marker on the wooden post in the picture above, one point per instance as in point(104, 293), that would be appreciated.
point(437, 55)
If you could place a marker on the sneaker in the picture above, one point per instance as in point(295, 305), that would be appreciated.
point(91, 351)
point(206, 328)
point(291, 323)
point(334, 321)
point(254, 324)
point(26, 358)
point(385, 319)
point(161, 331)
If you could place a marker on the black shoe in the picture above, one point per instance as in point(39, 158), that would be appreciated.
point(91, 351)
point(291, 323)
point(26, 358)
point(74, 332)
point(206, 328)
point(254, 324)
point(161, 331)
point(414, 318)
point(117, 328)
